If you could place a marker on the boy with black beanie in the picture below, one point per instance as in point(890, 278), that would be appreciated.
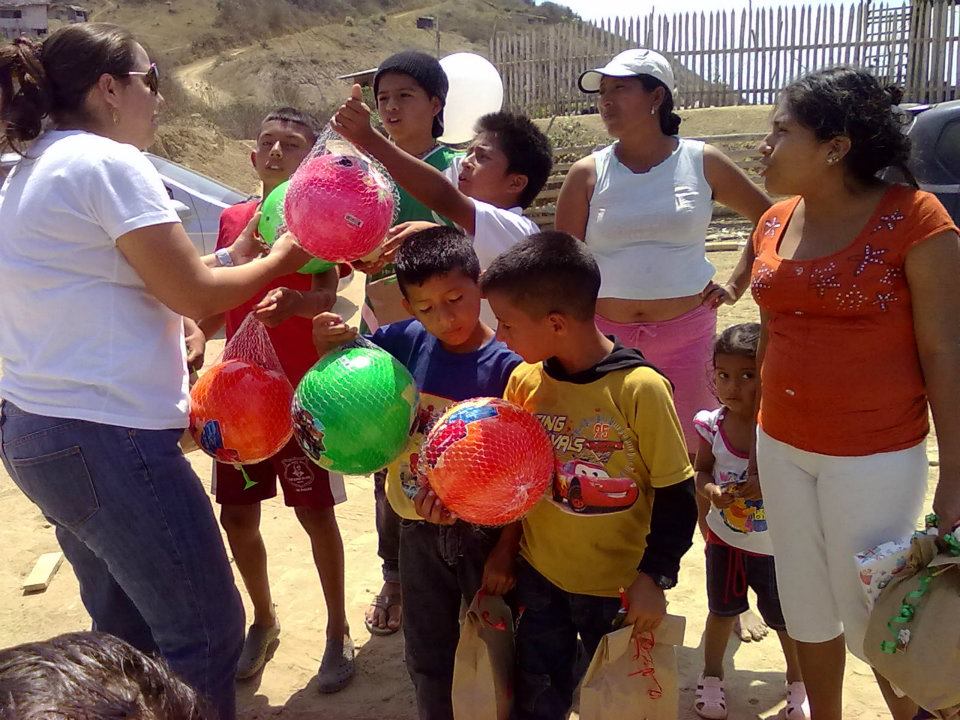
point(410, 89)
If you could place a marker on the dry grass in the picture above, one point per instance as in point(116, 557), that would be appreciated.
point(566, 131)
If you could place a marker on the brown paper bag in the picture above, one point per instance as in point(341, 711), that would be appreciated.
point(926, 665)
point(387, 300)
point(627, 679)
point(483, 666)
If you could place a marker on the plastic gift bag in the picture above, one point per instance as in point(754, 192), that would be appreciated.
point(240, 407)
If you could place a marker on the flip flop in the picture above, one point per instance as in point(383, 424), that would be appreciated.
point(337, 667)
point(256, 649)
point(384, 603)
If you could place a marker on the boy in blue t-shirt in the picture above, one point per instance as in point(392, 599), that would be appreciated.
point(452, 356)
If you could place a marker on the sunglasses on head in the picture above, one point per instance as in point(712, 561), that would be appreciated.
point(151, 78)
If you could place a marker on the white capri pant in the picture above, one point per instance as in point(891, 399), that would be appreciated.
point(821, 511)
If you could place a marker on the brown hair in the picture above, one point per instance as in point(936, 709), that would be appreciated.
point(53, 78)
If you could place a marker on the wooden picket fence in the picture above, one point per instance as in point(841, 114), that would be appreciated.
point(731, 57)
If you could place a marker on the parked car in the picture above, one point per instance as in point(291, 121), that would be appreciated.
point(934, 131)
point(198, 199)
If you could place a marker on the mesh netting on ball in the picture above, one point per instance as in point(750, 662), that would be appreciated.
point(240, 412)
point(240, 407)
point(339, 203)
point(353, 410)
point(488, 460)
point(272, 225)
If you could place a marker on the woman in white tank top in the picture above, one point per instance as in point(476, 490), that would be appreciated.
point(643, 205)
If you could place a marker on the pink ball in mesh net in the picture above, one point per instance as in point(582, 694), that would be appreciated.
point(488, 460)
point(339, 207)
point(240, 412)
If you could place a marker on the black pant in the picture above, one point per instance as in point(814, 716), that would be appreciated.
point(441, 566)
point(547, 650)
point(388, 530)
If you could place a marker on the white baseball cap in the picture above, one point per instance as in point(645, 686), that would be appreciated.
point(630, 63)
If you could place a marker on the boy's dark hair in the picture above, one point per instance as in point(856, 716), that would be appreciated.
point(297, 117)
point(852, 102)
point(550, 272)
point(435, 251)
point(527, 149)
point(91, 676)
point(742, 339)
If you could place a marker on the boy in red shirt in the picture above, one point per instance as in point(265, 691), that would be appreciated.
point(286, 307)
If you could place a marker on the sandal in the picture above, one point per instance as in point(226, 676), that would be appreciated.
point(798, 707)
point(711, 702)
point(337, 667)
point(256, 650)
point(383, 603)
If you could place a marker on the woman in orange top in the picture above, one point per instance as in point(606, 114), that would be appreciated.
point(857, 285)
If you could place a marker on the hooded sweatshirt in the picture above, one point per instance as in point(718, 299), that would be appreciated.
point(620, 454)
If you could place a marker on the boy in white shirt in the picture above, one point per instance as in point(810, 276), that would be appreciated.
point(506, 166)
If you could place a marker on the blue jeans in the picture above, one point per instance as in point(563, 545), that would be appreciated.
point(135, 523)
point(441, 566)
point(547, 650)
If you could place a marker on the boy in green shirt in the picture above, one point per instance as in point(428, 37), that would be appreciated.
point(410, 89)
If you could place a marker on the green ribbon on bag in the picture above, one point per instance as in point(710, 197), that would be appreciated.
point(908, 608)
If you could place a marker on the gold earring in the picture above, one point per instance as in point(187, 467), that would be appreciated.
point(116, 117)
point(831, 160)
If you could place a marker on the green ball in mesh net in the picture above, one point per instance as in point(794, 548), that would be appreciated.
point(353, 410)
point(271, 220)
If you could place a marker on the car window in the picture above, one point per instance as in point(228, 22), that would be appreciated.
point(197, 183)
point(948, 148)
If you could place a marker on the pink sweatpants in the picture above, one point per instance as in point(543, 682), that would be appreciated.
point(682, 348)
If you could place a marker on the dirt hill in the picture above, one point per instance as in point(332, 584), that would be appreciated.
point(228, 62)
point(182, 31)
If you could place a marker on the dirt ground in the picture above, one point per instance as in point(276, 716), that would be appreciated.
point(382, 688)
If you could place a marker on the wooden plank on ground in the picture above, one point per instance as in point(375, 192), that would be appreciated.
point(43, 571)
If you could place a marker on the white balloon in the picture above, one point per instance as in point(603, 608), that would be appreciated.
point(475, 90)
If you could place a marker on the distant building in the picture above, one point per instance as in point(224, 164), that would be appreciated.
point(69, 13)
point(31, 17)
point(23, 17)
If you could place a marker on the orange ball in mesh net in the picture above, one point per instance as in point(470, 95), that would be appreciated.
point(240, 412)
point(488, 460)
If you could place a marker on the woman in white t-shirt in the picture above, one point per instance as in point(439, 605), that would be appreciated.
point(97, 275)
point(643, 205)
